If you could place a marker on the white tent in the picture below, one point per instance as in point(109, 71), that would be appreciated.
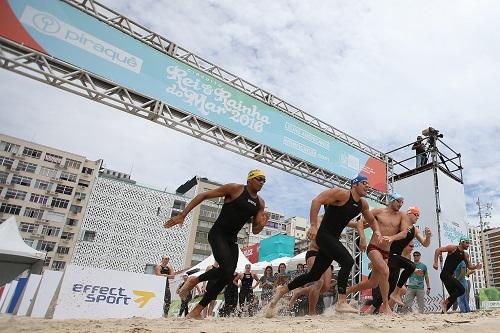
point(15, 255)
point(202, 266)
point(298, 259)
point(277, 261)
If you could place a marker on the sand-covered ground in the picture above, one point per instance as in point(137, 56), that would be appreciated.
point(476, 322)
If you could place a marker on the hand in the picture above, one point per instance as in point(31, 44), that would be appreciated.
point(428, 291)
point(173, 221)
point(479, 265)
point(435, 265)
point(428, 231)
point(311, 233)
point(387, 239)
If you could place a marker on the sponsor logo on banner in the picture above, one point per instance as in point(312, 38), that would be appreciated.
point(49, 25)
point(113, 295)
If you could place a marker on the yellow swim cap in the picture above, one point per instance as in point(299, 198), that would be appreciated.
point(255, 173)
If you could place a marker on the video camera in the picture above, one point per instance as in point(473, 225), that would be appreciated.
point(432, 132)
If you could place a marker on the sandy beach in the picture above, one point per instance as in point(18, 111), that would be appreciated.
point(477, 322)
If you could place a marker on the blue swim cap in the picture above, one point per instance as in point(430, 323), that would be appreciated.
point(464, 239)
point(358, 179)
point(394, 196)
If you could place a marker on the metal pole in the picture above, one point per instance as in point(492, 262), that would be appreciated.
point(483, 245)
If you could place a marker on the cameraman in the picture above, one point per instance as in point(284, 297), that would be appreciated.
point(420, 151)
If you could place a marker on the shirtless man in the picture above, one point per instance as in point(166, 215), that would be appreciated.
point(393, 225)
point(341, 206)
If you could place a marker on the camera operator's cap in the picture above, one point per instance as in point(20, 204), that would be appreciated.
point(394, 196)
point(255, 173)
point(464, 239)
point(358, 179)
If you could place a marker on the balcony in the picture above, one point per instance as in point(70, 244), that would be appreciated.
point(42, 221)
point(4, 199)
point(38, 236)
point(18, 156)
point(52, 192)
point(56, 179)
point(61, 166)
point(46, 206)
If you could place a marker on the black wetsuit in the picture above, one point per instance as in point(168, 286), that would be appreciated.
point(397, 262)
point(454, 287)
point(246, 292)
point(184, 308)
point(222, 238)
point(230, 299)
point(167, 296)
point(330, 248)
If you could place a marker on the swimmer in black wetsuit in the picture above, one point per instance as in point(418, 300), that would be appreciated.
point(246, 288)
point(341, 207)
point(455, 255)
point(241, 203)
point(164, 268)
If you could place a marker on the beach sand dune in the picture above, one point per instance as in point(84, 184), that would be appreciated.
point(476, 322)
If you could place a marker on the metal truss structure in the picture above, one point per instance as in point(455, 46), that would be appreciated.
point(41, 67)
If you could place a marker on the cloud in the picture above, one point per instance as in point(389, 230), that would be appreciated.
point(380, 71)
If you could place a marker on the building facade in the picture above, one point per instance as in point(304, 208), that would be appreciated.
point(297, 227)
point(275, 225)
point(123, 227)
point(476, 255)
point(47, 190)
point(492, 240)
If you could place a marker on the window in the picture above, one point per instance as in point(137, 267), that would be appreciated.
point(32, 152)
point(75, 209)
point(80, 196)
point(68, 176)
point(7, 162)
point(38, 198)
point(43, 185)
point(71, 222)
point(300, 228)
point(27, 227)
point(67, 235)
point(9, 147)
point(45, 246)
point(59, 203)
point(33, 213)
point(53, 158)
point(58, 265)
point(174, 213)
point(149, 269)
point(46, 262)
point(3, 177)
point(83, 184)
point(62, 250)
point(50, 231)
point(64, 189)
point(89, 236)
point(56, 217)
point(26, 166)
point(15, 194)
point(72, 164)
point(87, 171)
point(28, 241)
point(180, 205)
point(48, 172)
point(21, 180)
point(10, 209)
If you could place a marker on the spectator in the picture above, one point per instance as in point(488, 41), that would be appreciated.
point(419, 148)
point(463, 301)
point(185, 303)
point(281, 276)
point(266, 283)
point(165, 269)
point(416, 285)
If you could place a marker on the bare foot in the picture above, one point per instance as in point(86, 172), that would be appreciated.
point(280, 291)
point(370, 310)
point(345, 308)
point(444, 306)
point(196, 317)
point(187, 287)
point(397, 299)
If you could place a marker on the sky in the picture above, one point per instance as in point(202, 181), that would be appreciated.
point(379, 70)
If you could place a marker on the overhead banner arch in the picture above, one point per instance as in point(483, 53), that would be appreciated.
point(62, 31)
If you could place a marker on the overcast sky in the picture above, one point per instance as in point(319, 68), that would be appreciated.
point(378, 70)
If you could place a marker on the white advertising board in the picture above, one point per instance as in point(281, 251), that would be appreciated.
point(8, 296)
point(29, 294)
point(95, 293)
point(45, 293)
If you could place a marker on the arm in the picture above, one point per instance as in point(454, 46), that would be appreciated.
point(222, 191)
point(236, 279)
point(260, 219)
point(158, 270)
point(426, 277)
point(361, 231)
point(256, 278)
point(170, 269)
point(468, 263)
point(428, 234)
point(326, 197)
point(439, 250)
point(369, 217)
point(403, 229)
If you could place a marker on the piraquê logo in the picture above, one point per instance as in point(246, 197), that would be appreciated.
point(46, 23)
point(54, 27)
point(113, 295)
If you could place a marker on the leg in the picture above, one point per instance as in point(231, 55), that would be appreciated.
point(381, 273)
point(408, 267)
point(420, 300)
point(166, 302)
point(408, 302)
point(454, 288)
point(226, 254)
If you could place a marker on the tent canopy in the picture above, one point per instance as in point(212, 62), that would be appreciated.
point(15, 255)
point(240, 267)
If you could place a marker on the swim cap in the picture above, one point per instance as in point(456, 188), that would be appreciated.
point(358, 179)
point(255, 173)
point(394, 196)
point(413, 210)
point(464, 239)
